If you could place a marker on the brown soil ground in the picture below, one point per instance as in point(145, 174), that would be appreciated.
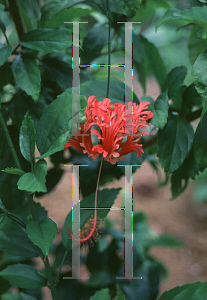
point(180, 217)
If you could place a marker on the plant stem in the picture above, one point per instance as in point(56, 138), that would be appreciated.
point(194, 115)
point(9, 141)
point(17, 163)
point(50, 278)
point(44, 258)
point(59, 271)
point(16, 219)
point(6, 38)
point(150, 141)
point(109, 50)
point(31, 206)
point(15, 49)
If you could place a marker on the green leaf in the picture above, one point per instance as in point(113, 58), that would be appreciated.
point(180, 177)
point(190, 291)
point(61, 72)
point(195, 45)
point(55, 125)
point(27, 74)
point(42, 233)
point(65, 15)
point(6, 74)
point(3, 219)
point(165, 240)
point(174, 80)
point(5, 285)
point(102, 294)
point(202, 90)
point(138, 49)
point(121, 7)
point(99, 87)
point(27, 138)
point(105, 198)
point(174, 143)
point(17, 296)
point(119, 295)
point(24, 210)
point(14, 171)
point(148, 287)
point(30, 13)
point(52, 179)
point(190, 165)
point(160, 110)
point(202, 33)
point(179, 182)
point(1, 206)
point(95, 39)
point(12, 234)
point(191, 99)
point(51, 8)
point(28, 21)
point(200, 144)
point(148, 9)
point(23, 276)
point(47, 40)
point(2, 140)
point(161, 4)
point(199, 71)
point(141, 73)
point(195, 15)
point(10, 195)
point(199, 68)
point(5, 52)
point(101, 278)
point(139, 217)
point(195, 3)
point(20, 104)
point(153, 61)
point(34, 182)
point(169, 15)
point(204, 110)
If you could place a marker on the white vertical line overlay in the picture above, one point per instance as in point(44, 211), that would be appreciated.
point(128, 168)
point(75, 85)
point(128, 79)
point(128, 224)
point(75, 223)
point(75, 80)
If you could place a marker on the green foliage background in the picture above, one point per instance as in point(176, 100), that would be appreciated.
point(36, 109)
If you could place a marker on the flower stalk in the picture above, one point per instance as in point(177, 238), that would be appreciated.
point(60, 268)
point(9, 141)
point(50, 278)
point(94, 227)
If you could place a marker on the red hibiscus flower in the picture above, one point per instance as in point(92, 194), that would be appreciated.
point(111, 120)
